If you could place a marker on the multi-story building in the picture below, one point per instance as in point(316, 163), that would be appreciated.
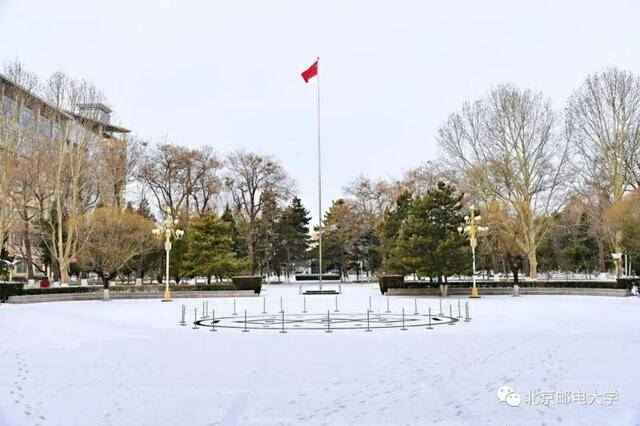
point(22, 109)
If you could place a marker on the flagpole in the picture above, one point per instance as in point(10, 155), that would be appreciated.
point(319, 185)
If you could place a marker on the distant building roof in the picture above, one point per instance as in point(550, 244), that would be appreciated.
point(70, 114)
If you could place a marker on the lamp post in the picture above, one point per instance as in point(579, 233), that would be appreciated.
point(471, 229)
point(10, 266)
point(168, 230)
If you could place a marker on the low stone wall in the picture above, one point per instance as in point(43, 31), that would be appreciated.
point(42, 298)
point(508, 291)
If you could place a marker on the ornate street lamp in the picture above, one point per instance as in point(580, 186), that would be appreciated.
point(168, 230)
point(11, 266)
point(472, 230)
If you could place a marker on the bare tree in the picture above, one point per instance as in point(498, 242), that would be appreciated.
point(505, 148)
point(75, 143)
point(182, 180)
point(114, 238)
point(603, 124)
point(251, 180)
point(117, 162)
point(18, 127)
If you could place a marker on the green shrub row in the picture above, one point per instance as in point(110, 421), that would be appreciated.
point(314, 277)
point(201, 287)
point(55, 290)
point(7, 290)
point(390, 281)
point(248, 283)
point(14, 289)
point(396, 281)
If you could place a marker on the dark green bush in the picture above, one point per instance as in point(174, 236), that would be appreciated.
point(248, 283)
point(201, 287)
point(56, 290)
point(621, 283)
point(314, 277)
point(7, 290)
point(390, 281)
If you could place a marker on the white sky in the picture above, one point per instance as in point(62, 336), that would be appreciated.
point(227, 74)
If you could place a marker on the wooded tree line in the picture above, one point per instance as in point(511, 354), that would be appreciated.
point(556, 187)
point(66, 181)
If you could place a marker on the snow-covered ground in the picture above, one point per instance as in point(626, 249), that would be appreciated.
point(130, 363)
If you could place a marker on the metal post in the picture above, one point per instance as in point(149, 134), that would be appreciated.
point(304, 304)
point(167, 249)
point(203, 310)
point(245, 322)
point(440, 306)
point(207, 305)
point(466, 308)
point(283, 330)
point(281, 310)
point(234, 307)
point(182, 321)
point(337, 310)
point(429, 324)
point(415, 306)
point(264, 305)
point(459, 311)
point(213, 320)
point(403, 327)
point(328, 330)
point(388, 311)
point(195, 318)
point(370, 310)
point(319, 184)
point(340, 287)
point(368, 327)
point(451, 315)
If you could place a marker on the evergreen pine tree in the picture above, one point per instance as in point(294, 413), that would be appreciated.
point(429, 241)
point(293, 233)
point(390, 233)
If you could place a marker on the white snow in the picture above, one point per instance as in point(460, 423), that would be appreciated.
point(130, 363)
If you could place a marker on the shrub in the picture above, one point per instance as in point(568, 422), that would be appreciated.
point(314, 277)
point(248, 283)
point(7, 290)
point(390, 281)
point(201, 287)
point(57, 290)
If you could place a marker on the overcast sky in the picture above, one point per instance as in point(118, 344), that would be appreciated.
point(227, 73)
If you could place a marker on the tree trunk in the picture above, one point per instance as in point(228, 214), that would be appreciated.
point(251, 254)
point(600, 243)
point(105, 287)
point(533, 264)
point(27, 249)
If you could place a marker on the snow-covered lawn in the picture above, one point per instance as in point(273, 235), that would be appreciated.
point(130, 363)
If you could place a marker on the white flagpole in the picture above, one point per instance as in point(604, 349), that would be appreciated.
point(319, 185)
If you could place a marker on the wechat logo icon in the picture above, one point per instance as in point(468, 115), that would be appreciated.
point(508, 396)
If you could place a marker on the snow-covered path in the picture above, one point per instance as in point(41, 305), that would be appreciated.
point(130, 363)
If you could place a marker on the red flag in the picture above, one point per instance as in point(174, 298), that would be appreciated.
point(310, 72)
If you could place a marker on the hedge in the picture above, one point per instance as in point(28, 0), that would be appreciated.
point(390, 281)
point(248, 283)
point(314, 277)
point(7, 290)
point(621, 284)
